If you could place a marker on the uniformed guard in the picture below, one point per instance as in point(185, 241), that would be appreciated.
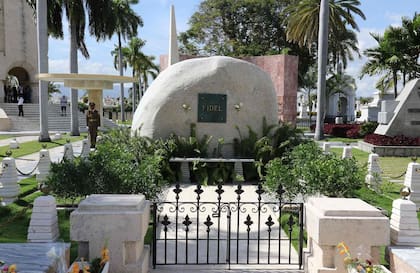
point(93, 121)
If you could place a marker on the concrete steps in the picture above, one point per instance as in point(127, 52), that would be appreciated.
point(56, 122)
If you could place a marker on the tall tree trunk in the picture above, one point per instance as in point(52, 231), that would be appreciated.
point(322, 68)
point(120, 66)
point(134, 95)
point(74, 92)
point(42, 39)
point(395, 80)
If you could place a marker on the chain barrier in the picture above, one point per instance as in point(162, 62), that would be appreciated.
point(29, 173)
point(399, 176)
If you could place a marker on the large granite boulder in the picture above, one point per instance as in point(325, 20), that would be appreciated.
point(218, 94)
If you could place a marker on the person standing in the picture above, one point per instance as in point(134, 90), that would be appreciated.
point(93, 121)
point(20, 106)
point(63, 104)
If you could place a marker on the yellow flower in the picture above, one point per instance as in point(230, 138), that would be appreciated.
point(104, 255)
point(12, 268)
point(76, 268)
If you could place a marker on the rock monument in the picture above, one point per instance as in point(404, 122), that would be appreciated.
point(218, 94)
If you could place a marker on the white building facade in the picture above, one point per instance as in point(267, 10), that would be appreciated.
point(18, 50)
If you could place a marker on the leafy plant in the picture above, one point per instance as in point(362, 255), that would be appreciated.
point(308, 171)
point(368, 128)
point(121, 164)
point(191, 146)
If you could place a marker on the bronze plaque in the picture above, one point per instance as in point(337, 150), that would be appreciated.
point(212, 107)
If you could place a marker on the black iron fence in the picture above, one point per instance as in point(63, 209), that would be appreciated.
point(244, 230)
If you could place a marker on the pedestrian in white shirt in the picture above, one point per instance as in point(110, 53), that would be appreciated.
point(20, 106)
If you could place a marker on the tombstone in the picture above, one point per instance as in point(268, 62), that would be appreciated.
point(43, 166)
point(412, 180)
point(68, 151)
point(9, 188)
point(14, 144)
point(402, 114)
point(347, 152)
point(374, 171)
point(121, 220)
point(43, 227)
point(404, 224)
point(220, 95)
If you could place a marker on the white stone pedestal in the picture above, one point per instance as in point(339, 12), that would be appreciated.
point(43, 227)
point(404, 224)
point(85, 148)
point(373, 176)
point(326, 147)
point(122, 221)
point(68, 151)
point(57, 136)
point(9, 189)
point(43, 166)
point(14, 144)
point(412, 180)
point(347, 152)
point(330, 221)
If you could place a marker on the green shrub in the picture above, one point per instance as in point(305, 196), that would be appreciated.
point(121, 164)
point(308, 171)
point(367, 128)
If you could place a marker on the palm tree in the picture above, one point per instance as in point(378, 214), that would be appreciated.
point(142, 65)
point(125, 23)
point(307, 21)
point(386, 57)
point(302, 22)
point(98, 13)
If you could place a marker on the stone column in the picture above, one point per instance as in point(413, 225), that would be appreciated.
point(9, 189)
point(43, 227)
point(326, 147)
point(347, 152)
point(42, 31)
point(185, 172)
point(95, 95)
point(43, 166)
point(85, 148)
point(373, 176)
point(121, 220)
point(68, 151)
point(412, 180)
point(14, 144)
point(404, 223)
point(330, 221)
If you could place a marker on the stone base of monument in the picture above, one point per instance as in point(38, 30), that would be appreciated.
point(404, 259)
point(330, 221)
point(404, 151)
point(121, 222)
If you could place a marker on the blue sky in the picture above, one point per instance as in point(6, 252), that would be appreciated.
point(155, 13)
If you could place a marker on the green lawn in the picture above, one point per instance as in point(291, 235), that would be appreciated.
point(341, 139)
point(7, 136)
point(392, 167)
point(31, 147)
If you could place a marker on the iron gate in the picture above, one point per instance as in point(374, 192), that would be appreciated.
point(188, 230)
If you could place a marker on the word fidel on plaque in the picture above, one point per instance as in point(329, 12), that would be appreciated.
point(212, 107)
